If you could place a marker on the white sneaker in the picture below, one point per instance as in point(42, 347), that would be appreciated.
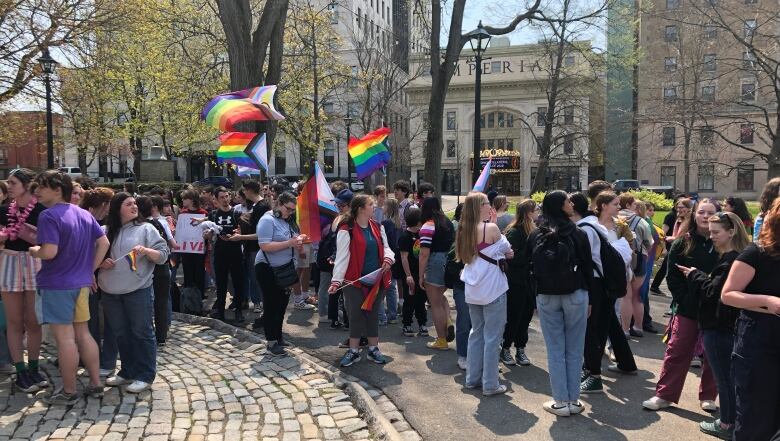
point(304, 306)
point(116, 380)
point(576, 407)
point(105, 372)
point(462, 363)
point(556, 408)
point(696, 362)
point(137, 387)
point(656, 403)
point(709, 405)
point(7, 369)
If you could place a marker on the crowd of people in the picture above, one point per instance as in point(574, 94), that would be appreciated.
point(100, 269)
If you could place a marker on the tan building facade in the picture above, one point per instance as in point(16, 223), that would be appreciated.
point(701, 98)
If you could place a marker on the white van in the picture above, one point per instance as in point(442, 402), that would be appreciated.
point(73, 172)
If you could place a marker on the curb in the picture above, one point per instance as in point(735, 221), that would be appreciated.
point(380, 425)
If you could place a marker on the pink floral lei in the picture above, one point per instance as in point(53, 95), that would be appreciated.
point(16, 219)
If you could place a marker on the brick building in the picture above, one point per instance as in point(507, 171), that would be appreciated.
point(23, 140)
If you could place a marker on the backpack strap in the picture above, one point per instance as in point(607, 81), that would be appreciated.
point(604, 241)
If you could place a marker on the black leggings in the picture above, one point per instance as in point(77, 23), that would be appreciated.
point(603, 323)
point(519, 312)
point(194, 270)
point(275, 300)
point(414, 305)
point(660, 275)
point(162, 291)
point(228, 263)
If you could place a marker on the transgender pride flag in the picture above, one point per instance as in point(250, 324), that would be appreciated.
point(482, 181)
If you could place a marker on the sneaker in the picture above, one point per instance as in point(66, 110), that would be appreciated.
point(635, 333)
point(440, 344)
point(506, 357)
point(649, 328)
point(584, 375)
point(408, 331)
point(257, 309)
point(450, 331)
point(350, 357)
point(668, 313)
point(556, 408)
point(656, 403)
point(284, 343)
point(116, 380)
point(38, 378)
point(392, 321)
point(344, 344)
point(161, 344)
point(7, 369)
point(462, 363)
point(696, 362)
point(713, 428)
point(276, 350)
point(25, 383)
point(423, 331)
point(336, 325)
point(709, 405)
point(576, 407)
point(376, 356)
point(137, 386)
point(218, 315)
point(311, 301)
point(60, 398)
point(617, 369)
point(104, 373)
point(501, 389)
point(657, 291)
point(612, 357)
point(521, 358)
point(304, 306)
point(94, 391)
point(592, 385)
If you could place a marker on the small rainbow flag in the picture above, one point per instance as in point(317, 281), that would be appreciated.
point(234, 147)
point(131, 259)
point(375, 279)
point(482, 181)
point(370, 152)
point(224, 111)
point(315, 207)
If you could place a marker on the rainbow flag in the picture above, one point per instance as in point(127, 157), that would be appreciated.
point(224, 111)
point(375, 279)
point(370, 152)
point(314, 207)
point(234, 147)
point(482, 181)
point(131, 259)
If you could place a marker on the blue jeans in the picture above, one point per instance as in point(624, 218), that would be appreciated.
point(462, 320)
point(564, 320)
point(251, 287)
point(644, 292)
point(130, 316)
point(718, 346)
point(105, 340)
point(390, 312)
point(484, 342)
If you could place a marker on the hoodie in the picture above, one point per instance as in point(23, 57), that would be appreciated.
point(593, 230)
point(121, 279)
point(582, 252)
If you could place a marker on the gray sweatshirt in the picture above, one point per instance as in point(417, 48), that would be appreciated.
point(121, 279)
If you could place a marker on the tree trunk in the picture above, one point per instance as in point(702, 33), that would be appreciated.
point(82, 160)
point(687, 160)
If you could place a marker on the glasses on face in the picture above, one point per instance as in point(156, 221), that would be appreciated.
point(289, 208)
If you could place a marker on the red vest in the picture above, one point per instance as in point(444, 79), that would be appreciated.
point(357, 251)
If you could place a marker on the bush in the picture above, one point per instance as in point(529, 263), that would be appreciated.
point(661, 202)
point(144, 187)
point(538, 197)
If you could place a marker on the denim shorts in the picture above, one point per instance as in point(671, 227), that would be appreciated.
point(62, 306)
point(434, 271)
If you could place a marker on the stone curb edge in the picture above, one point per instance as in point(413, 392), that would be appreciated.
point(380, 425)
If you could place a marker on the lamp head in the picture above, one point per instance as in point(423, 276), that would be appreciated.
point(48, 64)
point(479, 39)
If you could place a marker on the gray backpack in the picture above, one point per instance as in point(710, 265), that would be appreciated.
point(191, 301)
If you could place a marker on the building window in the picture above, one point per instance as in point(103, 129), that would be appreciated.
point(327, 108)
point(746, 134)
point(450, 148)
point(669, 137)
point(568, 115)
point(500, 119)
point(750, 28)
point(670, 64)
point(452, 122)
point(353, 79)
point(3, 156)
point(539, 143)
point(670, 34)
point(425, 121)
point(334, 13)
point(708, 93)
point(495, 67)
point(510, 120)
point(710, 32)
point(749, 91)
point(709, 63)
point(713, 3)
point(280, 160)
point(383, 9)
point(500, 144)
point(352, 110)
point(568, 60)
point(491, 120)
point(751, 2)
point(510, 144)
point(568, 144)
point(672, 4)
point(359, 14)
point(541, 116)
point(748, 60)
point(491, 144)
point(745, 177)
point(706, 177)
point(669, 176)
point(670, 93)
point(707, 136)
point(329, 156)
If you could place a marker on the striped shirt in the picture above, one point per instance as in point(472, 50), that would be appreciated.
point(437, 241)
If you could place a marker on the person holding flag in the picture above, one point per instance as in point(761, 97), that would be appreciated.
point(362, 269)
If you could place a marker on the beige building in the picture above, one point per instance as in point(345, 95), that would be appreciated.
point(514, 101)
point(701, 98)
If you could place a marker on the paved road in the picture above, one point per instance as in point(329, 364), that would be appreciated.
point(428, 387)
point(209, 387)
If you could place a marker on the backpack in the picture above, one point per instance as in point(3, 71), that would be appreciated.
point(554, 258)
point(638, 260)
point(452, 270)
point(614, 276)
point(191, 301)
point(327, 251)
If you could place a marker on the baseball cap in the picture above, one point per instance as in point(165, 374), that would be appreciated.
point(344, 197)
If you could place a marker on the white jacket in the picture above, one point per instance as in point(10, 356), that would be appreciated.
point(594, 240)
point(484, 281)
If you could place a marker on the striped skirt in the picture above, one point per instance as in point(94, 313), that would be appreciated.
point(17, 271)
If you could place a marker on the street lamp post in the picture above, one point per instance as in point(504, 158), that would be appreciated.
point(478, 39)
point(338, 156)
point(48, 64)
point(348, 123)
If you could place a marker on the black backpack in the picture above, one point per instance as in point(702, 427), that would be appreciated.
point(452, 270)
point(614, 276)
point(554, 258)
point(326, 251)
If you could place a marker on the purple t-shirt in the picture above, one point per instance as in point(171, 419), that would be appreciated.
point(74, 231)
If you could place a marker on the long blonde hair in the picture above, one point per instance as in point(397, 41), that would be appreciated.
point(466, 238)
point(392, 211)
point(739, 241)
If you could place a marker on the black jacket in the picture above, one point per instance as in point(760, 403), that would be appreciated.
point(703, 257)
point(517, 271)
point(712, 313)
point(584, 259)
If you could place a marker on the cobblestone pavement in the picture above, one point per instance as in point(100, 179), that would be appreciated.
point(210, 386)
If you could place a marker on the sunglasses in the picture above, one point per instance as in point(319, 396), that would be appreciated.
point(724, 218)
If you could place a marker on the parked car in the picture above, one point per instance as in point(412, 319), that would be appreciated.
point(356, 184)
point(666, 190)
point(215, 181)
point(623, 185)
point(73, 172)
